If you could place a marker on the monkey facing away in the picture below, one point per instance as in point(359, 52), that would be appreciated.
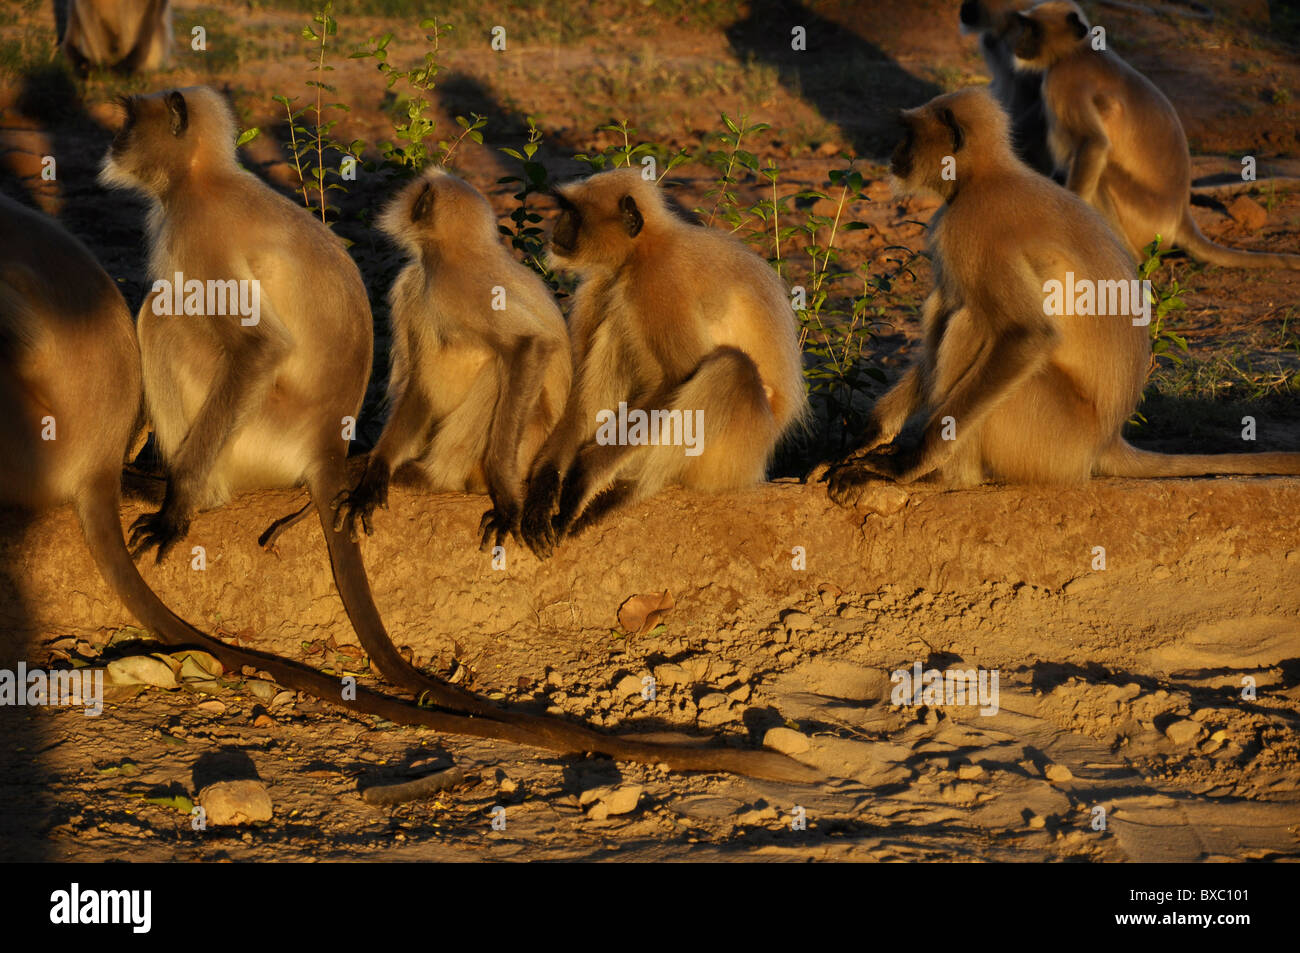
point(127, 35)
point(250, 398)
point(480, 360)
point(1020, 93)
point(687, 367)
point(1118, 138)
point(1008, 387)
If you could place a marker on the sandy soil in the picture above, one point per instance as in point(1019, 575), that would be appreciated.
point(1120, 689)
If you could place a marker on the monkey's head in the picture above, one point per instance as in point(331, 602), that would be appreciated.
point(439, 207)
point(604, 217)
point(990, 16)
point(169, 136)
point(949, 139)
point(1047, 33)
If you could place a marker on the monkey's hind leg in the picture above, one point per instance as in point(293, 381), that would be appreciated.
point(715, 431)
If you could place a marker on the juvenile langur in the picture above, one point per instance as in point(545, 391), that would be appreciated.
point(1015, 383)
point(682, 337)
point(247, 398)
point(480, 358)
point(127, 35)
point(1020, 93)
point(1117, 138)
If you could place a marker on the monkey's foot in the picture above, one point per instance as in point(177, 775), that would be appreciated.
point(497, 523)
point(536, 522)
point(357, 506)
point(163, 529)
point(849, 480)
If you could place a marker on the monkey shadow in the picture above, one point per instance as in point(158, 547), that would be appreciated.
point(851, 81)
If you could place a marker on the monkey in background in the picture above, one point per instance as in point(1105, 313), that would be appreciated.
point(681, 324)
point(126, 35)
point(1118, 138)
point(1004, 390)
point(239, 405)
point(1020, 93)
point(480, 359)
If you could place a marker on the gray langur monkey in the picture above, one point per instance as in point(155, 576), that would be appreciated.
point(1013, 385)
point(1020, 93)
point(245, 398)
point(678, 329)
point(480, 358)
point(1118, 138)
point(127, 35)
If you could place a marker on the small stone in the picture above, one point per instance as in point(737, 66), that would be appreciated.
point(1038, 822)
point(795, 621)
point(611, 801)
point(670, 675)
point(740, 694)
point(1248, 213)
point(554, 679)
point(228, 803)
point(968, 772)
point(1058, 772)
point(786, 740)
point(628, 686)
point(212, 707)
point(714, 717)
point(283, 698)
point(787, 658)
point(262, 690)
point(264, 721)
point(712, 700)
point(1183, 731)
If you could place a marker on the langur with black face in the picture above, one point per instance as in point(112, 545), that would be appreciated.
point(1117, 138)
point(480, 359)
point(687, 369)
point(1013, 384)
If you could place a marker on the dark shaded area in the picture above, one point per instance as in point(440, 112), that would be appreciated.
point(851, 81)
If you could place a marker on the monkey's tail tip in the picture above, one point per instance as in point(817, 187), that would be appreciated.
point(763, 765)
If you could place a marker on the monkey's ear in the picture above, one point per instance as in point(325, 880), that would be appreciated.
point(954, 128)
point(178, 113)
point(1075, 23)
point(423, 204)
point(632, 219)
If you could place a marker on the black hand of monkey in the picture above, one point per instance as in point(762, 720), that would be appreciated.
point(357, 505)
point(571, 499)
point(539, 507)
point(498, 522)
point(163, 529)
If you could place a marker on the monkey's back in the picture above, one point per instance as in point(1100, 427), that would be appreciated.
point(1147, 176)
point(66, 344)
point(1104, 356)
point(742, 302)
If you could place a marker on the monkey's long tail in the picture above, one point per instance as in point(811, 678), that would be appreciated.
point(98, 511)
point(1123, 459)
point(1201, 248)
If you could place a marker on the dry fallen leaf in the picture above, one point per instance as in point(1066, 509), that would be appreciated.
point(640, 614)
